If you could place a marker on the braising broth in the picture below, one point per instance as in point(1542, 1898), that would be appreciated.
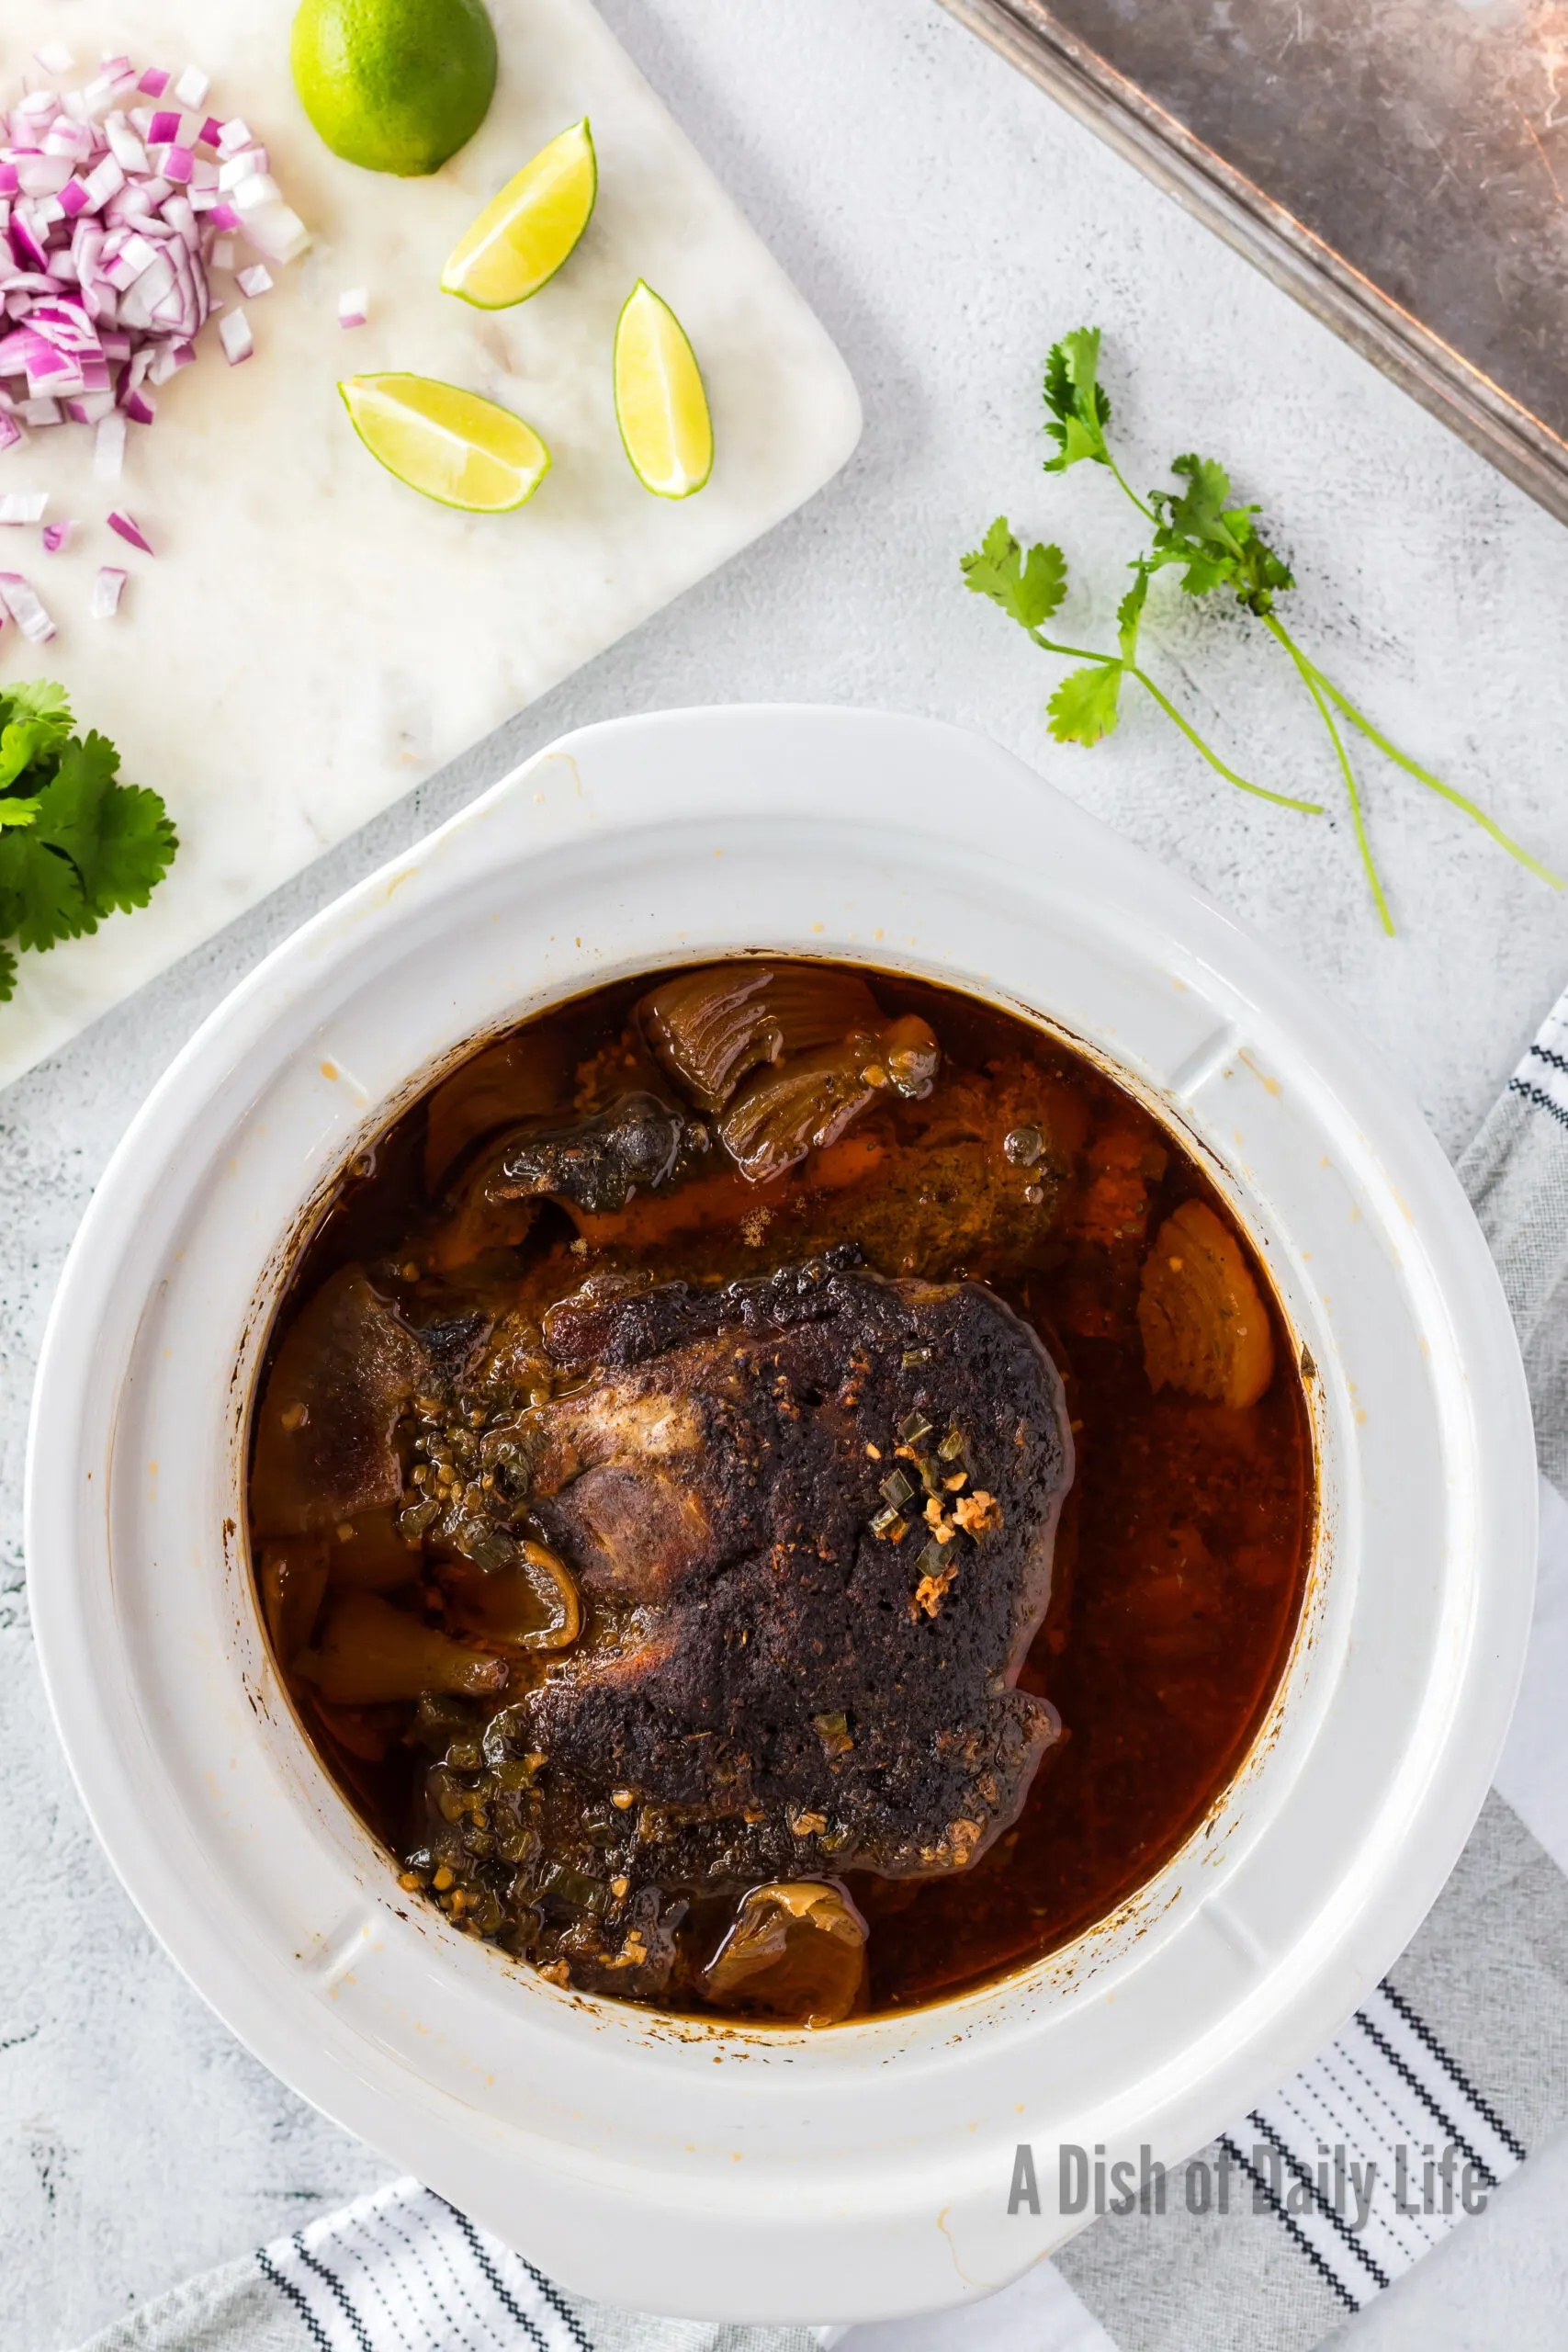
point(779, 1491)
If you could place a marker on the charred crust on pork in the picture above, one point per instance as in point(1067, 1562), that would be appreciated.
point(781, 1690)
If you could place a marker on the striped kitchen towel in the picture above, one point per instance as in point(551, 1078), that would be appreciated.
point(403, 2271)
point(1271, 2239)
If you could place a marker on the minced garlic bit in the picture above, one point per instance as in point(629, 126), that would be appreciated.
point(932, 1590)
point(555, 1972)
point(936, 1521)
point(620, 1888)
point(622, 1798)
point(980, 1513)
point(807, 1825)
point(873, 1453)
point(294, 1417)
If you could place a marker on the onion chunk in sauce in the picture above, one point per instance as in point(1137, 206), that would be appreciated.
point(780, 1492)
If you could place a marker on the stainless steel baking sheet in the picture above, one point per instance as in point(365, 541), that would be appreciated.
point(1401, 167)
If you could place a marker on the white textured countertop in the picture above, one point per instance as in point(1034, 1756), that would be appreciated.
point(945, 221)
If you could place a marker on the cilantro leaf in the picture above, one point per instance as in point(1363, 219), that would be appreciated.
point(1027, 588)
point(75, 844)
point(1199, 512)
point(37, 698)
point(1085, 706)
point(118, 836)
point(35, 719)
point(23, 743)
point(1077, 406)
point(1130, 613)
point(1218, 545)
point(40, 895)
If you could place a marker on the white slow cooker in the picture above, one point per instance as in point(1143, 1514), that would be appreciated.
point(772, 2176)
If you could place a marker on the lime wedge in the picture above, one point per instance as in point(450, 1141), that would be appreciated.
point(660, 405)
point(521, 239)
point(449, 444)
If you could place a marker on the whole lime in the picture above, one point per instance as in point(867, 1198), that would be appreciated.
point(396, 85)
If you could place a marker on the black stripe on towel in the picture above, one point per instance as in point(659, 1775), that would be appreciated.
point(275, 2278)
point(1330, 2276)
point(1337, 2221)
point(1424, 2035)
point(361, 2334)
point(497, 2283)
point(558, 2305)
point(1552, 1060)
point(1407, 2074)
point(1538, 1100)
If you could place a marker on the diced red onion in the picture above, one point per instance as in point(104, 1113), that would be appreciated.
point(42, 174)
point(109, 449)
point(55, 58)
point(234, 334)
point(23, 505)
point(104, 182)
point(22, 603)
point(26, 243)
point(352, 307)
point(107, 589)
point(57, 537)
point(131, 531)
point(64, 137)
point(271, 225)
point(246, 166)
point(127, 149)
point(106, 248)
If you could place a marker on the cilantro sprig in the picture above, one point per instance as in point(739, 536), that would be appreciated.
point(1086, 705)
point(1198, 528)
point(75, 844)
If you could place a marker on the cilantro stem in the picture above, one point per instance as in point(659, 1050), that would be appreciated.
point(1113, 662)
point(1435, 783)
point(1145, 510)
point(1310, 680)
point(1259, 791)
point(1076, 652)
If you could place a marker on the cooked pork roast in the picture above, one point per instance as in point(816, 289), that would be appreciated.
point(656, 1476)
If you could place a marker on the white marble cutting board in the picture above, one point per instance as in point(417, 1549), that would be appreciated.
point(313, 639)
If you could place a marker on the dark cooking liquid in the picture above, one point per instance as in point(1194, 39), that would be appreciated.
point(1184, 1546)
